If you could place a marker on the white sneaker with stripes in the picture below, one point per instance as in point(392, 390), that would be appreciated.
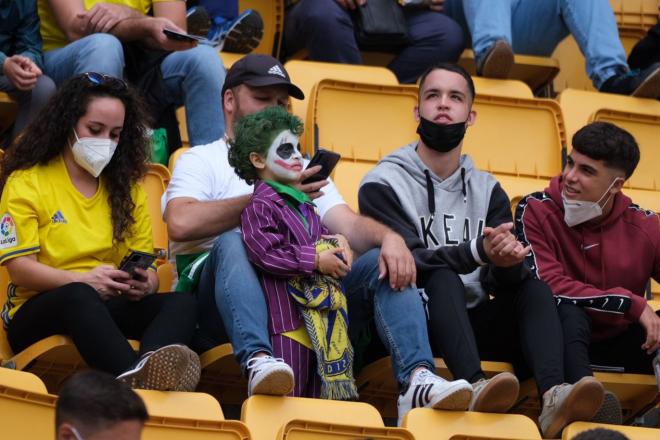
point(426, 390)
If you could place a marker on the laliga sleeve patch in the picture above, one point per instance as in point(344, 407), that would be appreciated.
point(7, 232)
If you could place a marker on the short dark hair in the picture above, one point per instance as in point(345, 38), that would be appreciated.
point(609, 143)
point(94, 401)
point(600, 434)
point(451, 67)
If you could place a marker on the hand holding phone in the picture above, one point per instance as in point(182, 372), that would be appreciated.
point(178, 36)
point(134, 259)
point(328, 160)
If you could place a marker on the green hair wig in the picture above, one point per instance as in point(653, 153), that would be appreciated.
point(254, 134)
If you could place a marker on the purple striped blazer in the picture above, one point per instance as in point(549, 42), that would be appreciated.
point(280, 246)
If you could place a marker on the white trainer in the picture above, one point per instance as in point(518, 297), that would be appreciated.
point(269, 375)
point(426, 390)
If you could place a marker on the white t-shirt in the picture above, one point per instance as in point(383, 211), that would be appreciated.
point(203, 173)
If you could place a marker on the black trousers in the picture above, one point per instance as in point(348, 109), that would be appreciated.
point(99, 329)
point(519, 326)
point(623, 350)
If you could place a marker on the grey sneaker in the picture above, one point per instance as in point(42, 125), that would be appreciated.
point(497, 62)
point(495, 395)
point(610, 410)
point(170, 368)
point(426, 390)
point(269, 375)
point(569, 403)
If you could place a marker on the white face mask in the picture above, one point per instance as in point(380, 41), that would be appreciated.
point(93, 154)
point(577, 212)
point(284, 159)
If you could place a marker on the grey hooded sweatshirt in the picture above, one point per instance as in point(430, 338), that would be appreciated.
point(442, 221)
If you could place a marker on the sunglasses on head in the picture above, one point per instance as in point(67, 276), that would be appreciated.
point(100, 79)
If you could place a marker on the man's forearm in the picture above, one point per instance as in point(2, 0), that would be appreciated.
point(189, 219)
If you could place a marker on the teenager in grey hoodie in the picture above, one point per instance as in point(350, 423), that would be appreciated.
point(457, 222)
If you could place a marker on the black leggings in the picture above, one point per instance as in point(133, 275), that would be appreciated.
point(521, 327)
point(99, 329)
point(623, 350)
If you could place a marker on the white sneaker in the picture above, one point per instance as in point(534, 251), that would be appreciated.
point(269, 375)
point(430, 391)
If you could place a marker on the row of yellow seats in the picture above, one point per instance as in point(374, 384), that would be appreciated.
point(174, 415)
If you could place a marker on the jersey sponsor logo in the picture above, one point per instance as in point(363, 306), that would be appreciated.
point(58, 217)
point(7, 232)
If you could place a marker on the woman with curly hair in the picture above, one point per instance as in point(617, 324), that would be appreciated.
point(72, 209)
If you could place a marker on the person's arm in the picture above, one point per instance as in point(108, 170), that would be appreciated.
point(268, 249)
point(380, 202)
point(175, 11)
point(546, 265)
point(28, 38)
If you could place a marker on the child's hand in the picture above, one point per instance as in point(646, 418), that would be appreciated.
point(331, 264)
point(343, 243)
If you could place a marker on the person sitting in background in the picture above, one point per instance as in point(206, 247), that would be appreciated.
point(325, 28)
point(535, 27)
point(300, 267)
point(21, 60)
point(81, 36)
point(72, 210)
point(597, 251)
point(92, 405)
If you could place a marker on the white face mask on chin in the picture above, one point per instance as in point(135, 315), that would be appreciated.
point(577, 212)
point(93, 154)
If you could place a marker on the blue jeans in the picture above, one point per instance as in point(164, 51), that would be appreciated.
point(229, 277)
point(536, 27)
point(326, 30)
point(29, 102)
point(193, 78)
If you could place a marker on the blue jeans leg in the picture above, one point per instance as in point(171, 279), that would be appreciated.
point(231, 279)
point(434, 37)
point(325, 29)
point(399, 316)
point(194, 79)
point(100, 53)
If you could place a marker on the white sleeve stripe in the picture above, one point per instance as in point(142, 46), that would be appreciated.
point(475, 252)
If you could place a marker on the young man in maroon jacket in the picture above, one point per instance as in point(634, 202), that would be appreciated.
point(597, 251)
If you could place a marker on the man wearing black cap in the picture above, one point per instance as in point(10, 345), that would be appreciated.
point(204, 201)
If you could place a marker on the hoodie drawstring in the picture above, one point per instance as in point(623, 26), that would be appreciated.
point(463, 182)
point(430, 193)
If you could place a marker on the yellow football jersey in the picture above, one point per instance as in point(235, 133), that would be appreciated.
point(43, 213)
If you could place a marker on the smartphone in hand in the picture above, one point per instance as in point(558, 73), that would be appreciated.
point(178, 36)
point(134, 259)
point(328, 160)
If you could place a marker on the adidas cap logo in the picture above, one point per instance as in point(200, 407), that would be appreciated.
point(275, 70)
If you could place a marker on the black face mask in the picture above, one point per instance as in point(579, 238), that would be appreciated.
point(442, 138)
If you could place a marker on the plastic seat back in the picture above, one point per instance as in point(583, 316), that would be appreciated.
point(265, 416)
point(306, 430)
point(28, 411)
point(429, 424)
point(154, 184)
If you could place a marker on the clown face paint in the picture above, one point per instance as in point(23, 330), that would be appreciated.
point(284, 159)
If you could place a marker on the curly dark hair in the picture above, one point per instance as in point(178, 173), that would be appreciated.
point(53, 128)
point(254, 133)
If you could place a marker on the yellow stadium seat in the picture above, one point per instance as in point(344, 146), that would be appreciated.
point(165, 277)
point(266, 416)
point(639, 14)
point(154, 184)
point(174, 156)
point(362, 122)
point(183, 127)
point(221, 375)
point(8, 109)
point(631, 432)
point(537, 72)
point(655, 290)
point(378, 387)
point(181, 405)
point(429, 424)
point(307, 430)
point(305, 74)
point(502, 87)
point(28, 411)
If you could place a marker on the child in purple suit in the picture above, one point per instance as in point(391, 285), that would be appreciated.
point(298, 264)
